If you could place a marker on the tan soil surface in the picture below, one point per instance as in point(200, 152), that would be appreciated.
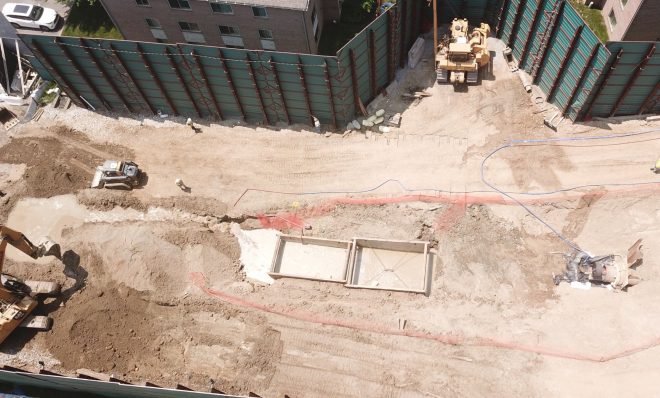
point(156, 291)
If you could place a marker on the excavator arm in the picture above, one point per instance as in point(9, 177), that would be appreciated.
point(17, 297)
point(22, 243)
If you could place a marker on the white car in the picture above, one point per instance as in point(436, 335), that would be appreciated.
point(22, 15)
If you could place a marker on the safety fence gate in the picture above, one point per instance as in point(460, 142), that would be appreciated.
point(579, 74)
point(222, 83)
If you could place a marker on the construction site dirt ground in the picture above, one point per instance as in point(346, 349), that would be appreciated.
point(155, 290)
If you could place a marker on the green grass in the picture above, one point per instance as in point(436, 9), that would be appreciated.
point(87, 20)
point(48, 98)
point(593, 18)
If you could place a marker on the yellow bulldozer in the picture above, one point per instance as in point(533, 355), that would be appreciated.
point(462, 54)
point(19, 298)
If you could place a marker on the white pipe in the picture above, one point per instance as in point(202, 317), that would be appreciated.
point(20, 67)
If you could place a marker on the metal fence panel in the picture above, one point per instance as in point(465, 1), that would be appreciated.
point(632, 83)
point(210, 82)
point(98, 388)
point(548, 37)
point(571, 66)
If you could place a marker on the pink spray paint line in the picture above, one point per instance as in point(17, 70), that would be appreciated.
point(288, 220)
point(452, 338)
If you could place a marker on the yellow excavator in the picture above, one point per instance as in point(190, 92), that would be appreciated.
point(461, 56)
point(19, 298)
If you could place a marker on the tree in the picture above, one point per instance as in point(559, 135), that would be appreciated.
point(368, 5)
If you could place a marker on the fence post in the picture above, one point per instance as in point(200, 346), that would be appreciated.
point(273, 69)
point(545, 43)
point(303, 84)
point(66, 86)
point(230, 80)
point(606, 78)
point(402, 35)
point(128, 75)
point(205, 78)
point(390, 41)
point(262, 107)
point(567, 56)
point(633, 78)
point(537, 13)
point(372, 63)
point(516, 23)
point(181, 81)
point(82, 73)
point(354, 79)
point(652, 97)
point(149, 68)
point(328, 82)
point(97, 64)
point(505, 3)
point(578, 83)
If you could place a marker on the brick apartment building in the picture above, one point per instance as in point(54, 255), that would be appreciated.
point(632, 20)
point(282, 25)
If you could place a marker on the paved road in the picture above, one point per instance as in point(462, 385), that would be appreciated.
point(61, 9)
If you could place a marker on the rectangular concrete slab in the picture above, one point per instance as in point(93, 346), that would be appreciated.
point(391, 265)
point(311, 258)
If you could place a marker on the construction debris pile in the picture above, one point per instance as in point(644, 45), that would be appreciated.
point(609, 270)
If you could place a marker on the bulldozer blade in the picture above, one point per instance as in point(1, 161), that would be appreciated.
point(635, 256)
point(49, 248)
point(96, 181)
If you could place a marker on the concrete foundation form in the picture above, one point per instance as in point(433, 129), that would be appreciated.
point(311, 258)
point(404, 266)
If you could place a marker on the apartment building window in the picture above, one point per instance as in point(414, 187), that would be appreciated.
point(143, 3)
point(156, 30)
point(179, 4)
point(267, 41)
point(259, 12)
point(189, 27)
point(231, 36)
point(153, 23)
point(612, 19)
point(222, 8)
point(192, 33)
point(229, 30)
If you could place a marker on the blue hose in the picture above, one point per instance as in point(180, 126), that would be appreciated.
point(507, 194)
point(514, 143)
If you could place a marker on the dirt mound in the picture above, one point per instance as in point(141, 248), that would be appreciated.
point(129, 333)
point(49, 171)
point(109, 327)
point(106, 200)
point(406, 221)
point(199, 206)
point(57, 165)
point(223, 242)
point(157, 257)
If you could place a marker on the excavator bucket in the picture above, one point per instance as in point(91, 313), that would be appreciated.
point(49, 248)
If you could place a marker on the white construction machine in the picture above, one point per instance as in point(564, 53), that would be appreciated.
point(117, 174)
point(616, 271)
point(461, 56)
